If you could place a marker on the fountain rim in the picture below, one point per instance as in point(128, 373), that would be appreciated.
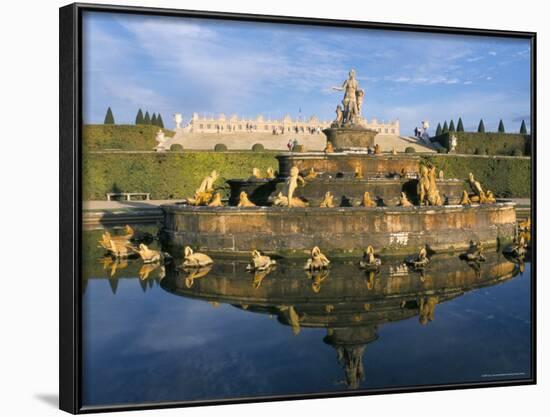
point(174, 207)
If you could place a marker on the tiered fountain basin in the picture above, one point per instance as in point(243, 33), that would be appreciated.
point(384, 176)
point(342, 162)
point(339, 231)
point(347, 190)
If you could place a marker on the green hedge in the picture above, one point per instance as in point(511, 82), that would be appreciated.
point(505, 176)
point(177, 175)
point(122, 137)
point(486, 143)
point(165, 175)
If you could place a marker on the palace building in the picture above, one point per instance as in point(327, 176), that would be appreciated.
point(235, 124)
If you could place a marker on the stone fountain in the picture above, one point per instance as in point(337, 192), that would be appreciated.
point(411, 203)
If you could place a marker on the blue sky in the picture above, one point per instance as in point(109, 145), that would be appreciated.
point(168, 65)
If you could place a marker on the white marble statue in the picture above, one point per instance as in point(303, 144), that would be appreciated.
point(161, 141)
point(454, 143)
point(178, 118)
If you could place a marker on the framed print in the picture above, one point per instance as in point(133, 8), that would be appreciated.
point(259, 208)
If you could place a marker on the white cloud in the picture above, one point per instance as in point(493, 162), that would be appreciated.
point(492, 53)
point(474, 59)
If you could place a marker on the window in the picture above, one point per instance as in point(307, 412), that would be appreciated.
point(240, 127)
point(266, 127)
point(201, 126)
point(386, 130)
point(393, 130)
point(208, 126)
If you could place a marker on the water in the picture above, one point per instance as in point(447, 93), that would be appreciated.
point(230, 334)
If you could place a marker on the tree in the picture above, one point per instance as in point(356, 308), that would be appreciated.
point(109, 118)
point(501, 127)
point(460, 126)
point(139, 118)
point(438, 130)
point(160, 123)
point(445, 127)
point(154, 119)
point(452, 126)
point(147, 118)
point(523, 128)
point(481, 127)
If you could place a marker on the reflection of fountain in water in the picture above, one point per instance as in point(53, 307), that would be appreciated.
point(350, 345)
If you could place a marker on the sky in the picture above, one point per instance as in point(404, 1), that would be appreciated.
point(185, 65)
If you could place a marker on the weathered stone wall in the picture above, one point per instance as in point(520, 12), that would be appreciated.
point(338, 231)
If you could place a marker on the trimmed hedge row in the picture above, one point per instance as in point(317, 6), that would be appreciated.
point(122, 137)
point(177, 175)
point(165, 175)
point(491, 143)
point(505, 176)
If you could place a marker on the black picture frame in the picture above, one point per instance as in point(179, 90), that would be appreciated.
point(70, 234)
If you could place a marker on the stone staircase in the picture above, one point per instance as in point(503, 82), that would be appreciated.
point(312, 142)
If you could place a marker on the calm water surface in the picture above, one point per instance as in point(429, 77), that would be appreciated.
point(163, 335)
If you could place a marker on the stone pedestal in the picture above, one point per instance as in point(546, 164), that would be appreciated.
point(354, 138)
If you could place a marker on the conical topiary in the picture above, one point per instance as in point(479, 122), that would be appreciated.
point(481, 127)
point(109, 118)
point(460, 126)
point(501, 127)
point(139, 118)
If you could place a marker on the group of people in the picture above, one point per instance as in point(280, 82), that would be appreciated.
point(292, 144)
point(298, 129)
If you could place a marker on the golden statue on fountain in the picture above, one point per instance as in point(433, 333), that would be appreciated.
point(203, 194)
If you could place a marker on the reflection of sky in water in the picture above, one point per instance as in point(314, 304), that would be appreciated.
point(150, 345)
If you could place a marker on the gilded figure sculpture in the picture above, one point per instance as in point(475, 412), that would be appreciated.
point(260, 262)
point(476, 188)
point(465, 200)
point(216, 200)
point(118, 246)
point(148, 255)
point(329, 148)
point(244, 201)
point(474, 253)
point(270, 174)
point(256, 173)
point(311, 174)
point(328, 200)
point(367, 202)
point(292, 183)
point(370, 261)
point(195, 260)
point(317, 260)
point(427, 187)
point(203, 194)
point(420, 260)
point(490, 197)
